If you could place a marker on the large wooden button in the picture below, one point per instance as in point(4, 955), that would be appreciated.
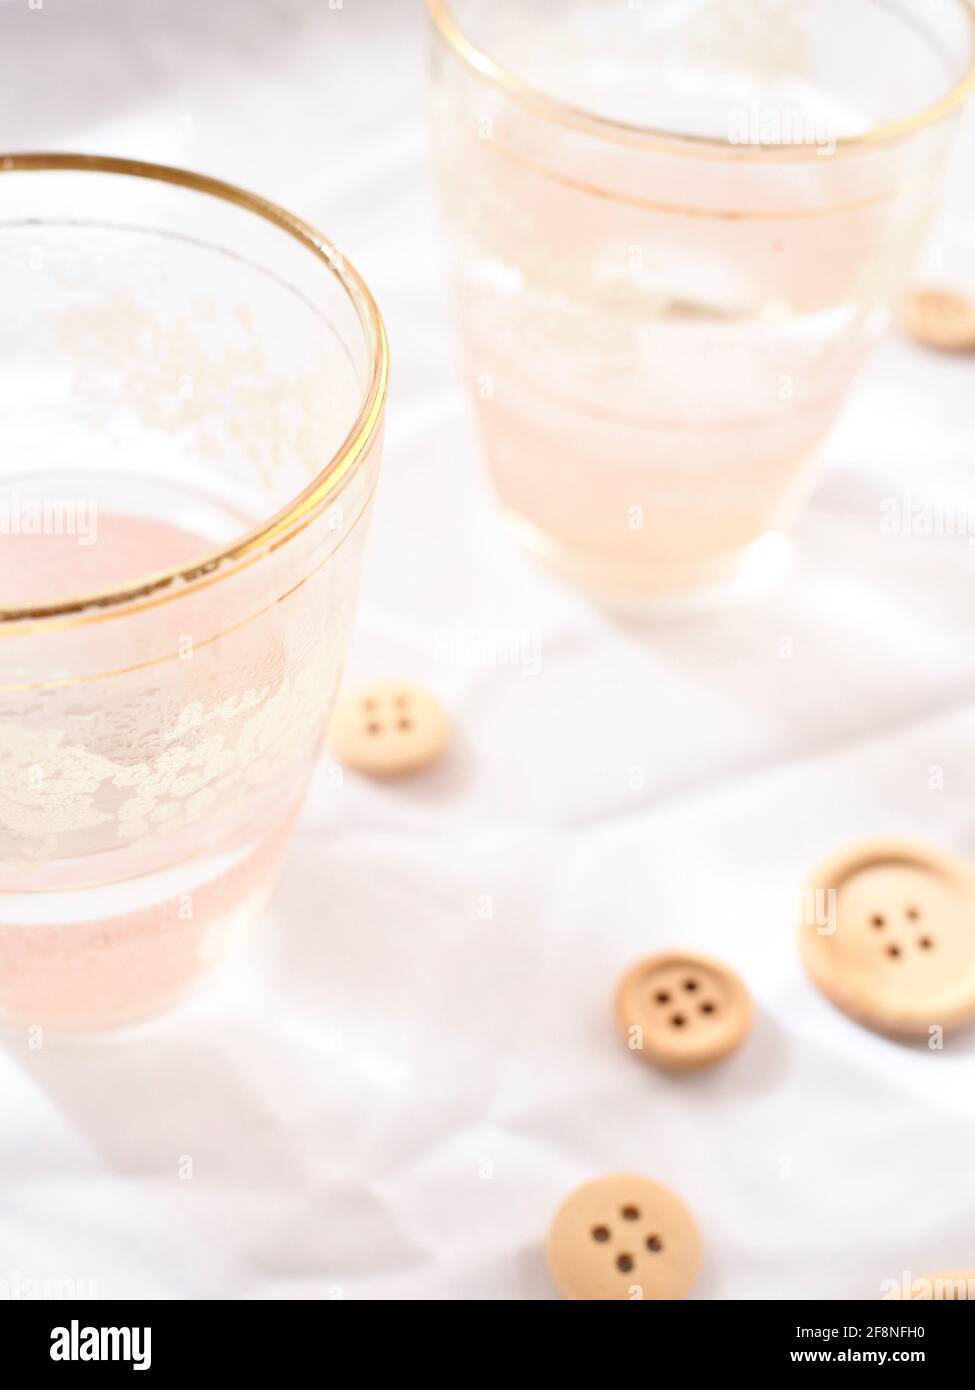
point(682, 1011)
point(940, 319)
point(389, 728)
point(892, 940)
point(623, 1237)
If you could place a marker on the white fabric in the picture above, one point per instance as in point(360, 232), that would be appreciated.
point(388, 1097)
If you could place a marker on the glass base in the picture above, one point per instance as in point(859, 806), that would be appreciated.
point(729, 577)
point(114, 955)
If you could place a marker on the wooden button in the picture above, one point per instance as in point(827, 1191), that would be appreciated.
point(940, 319)
point(682, 1011)
point(892, 938)
point(950, 1286)
point(389, 728)
point(623, 1237)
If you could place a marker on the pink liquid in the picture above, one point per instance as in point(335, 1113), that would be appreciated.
point(103, 971)
point(100, 938)
point(101, 552)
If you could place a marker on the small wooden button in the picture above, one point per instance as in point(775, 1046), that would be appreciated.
point(682, 1011)
point(389, 728)
point(942, 319)
point(892, 938)
point(950, 1286)
point(623, 1237)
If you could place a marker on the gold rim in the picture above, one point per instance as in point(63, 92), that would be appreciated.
point(170, 584)
point(703, 146)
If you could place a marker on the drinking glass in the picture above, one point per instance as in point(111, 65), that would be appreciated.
point(677, 228)
point(192, 388)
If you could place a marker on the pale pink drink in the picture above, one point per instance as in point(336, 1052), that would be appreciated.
point(677, 230)
point(191, 395)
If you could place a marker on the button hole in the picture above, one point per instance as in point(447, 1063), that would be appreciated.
point(630, 1213)
point(404, 724)
point(662, 997)
point(655, 1244)
point(678, 1020)
point(913, 914)
point(708, 1008)
point(600, 1233)
point(373, 727)
point(926, 943)
point(624, 1262)
point(877, 920)
point(690, 986)
point(893, 950)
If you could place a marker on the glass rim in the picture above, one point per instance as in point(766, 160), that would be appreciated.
point(565, 113)
point(163, 585)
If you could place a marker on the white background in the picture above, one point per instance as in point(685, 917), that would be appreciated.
point(390, 1095)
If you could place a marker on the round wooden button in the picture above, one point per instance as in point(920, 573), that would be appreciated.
point(623, 1237)
point(950, 1286)
point(389, 728)
point(888, 934)
point(682, 1011)
point(942, 319)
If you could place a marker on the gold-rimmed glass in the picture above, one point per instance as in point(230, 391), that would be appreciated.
point(191, 410)
point(677, 229)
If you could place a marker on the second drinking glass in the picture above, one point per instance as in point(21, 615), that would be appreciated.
point(677, 229)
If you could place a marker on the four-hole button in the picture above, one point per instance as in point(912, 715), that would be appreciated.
point(681, 1010)
point(623, 1237)
point(389, 728)
point(892, 939)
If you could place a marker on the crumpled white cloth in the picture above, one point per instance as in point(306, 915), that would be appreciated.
point(390, 1094)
